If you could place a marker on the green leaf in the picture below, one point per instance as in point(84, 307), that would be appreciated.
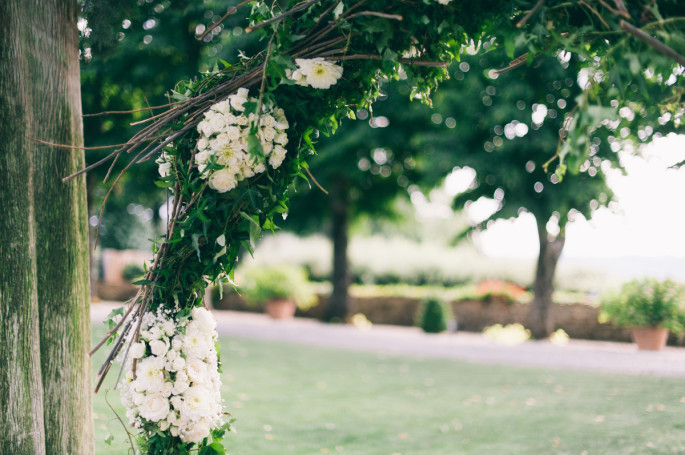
point(215, 448)
point(109, 439)
point(196, 245)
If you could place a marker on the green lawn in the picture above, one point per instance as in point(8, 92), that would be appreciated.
point(300, 400)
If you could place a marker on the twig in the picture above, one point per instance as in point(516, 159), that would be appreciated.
point(408, 61)
point(325, 13)
point(656, 44)
point(618, 12)
point(517, 62)
point(128, 433)
point(290, 12)
point(376, 13)
point(525, 19)
point(223, 18)
point(596, 13)
point(622, 8)
point(315, 182)
point(133, 111)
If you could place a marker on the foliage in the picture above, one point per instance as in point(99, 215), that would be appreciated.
point(132, 272)
point(279, 282)
point(434, 315)
point(646, 302)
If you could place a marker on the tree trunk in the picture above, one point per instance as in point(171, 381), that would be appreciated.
point(45, 393)
point(338, 303)
point(540, 315)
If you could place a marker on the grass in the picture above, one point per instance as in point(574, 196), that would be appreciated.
point(299, 400)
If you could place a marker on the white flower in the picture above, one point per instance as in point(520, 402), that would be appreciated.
point(154, 408)
point(202, 143)
point(174, 431)
point(150, 374)
point(222, 106)
point(180, 387)
point(217, 123)
point(196, 403)
point(167, 389)
point(177, 364)
point(222, 180)
point(159, 347)
point(155, 333)
point(203, 319)
point(222, 140)
point(197, 370)
point(177, 343)
point(281, 138)
point(267, 134)
point(233, 133)
point(318, 72)
point(444, 2)
point(197, 432)
point(296, 76)
point(137, 350)
point(237, 102)
point(169, 327)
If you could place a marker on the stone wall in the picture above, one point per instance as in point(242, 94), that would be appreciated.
point(579, 320)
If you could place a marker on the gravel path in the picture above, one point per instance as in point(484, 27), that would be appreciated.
point(576, 355)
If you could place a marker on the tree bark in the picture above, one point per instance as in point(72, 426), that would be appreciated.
point(339, 301)
point(45, 394)
point(540, 315)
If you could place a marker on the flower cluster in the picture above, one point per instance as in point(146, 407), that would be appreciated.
point(223, 155)
point(316, 72)
point(176, 386)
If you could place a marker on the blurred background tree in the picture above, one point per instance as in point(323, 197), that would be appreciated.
point(506, 127)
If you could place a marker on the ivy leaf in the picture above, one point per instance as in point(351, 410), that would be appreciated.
point(255, 230)
point(109, 439)
point(196, 245)
point(215, 448)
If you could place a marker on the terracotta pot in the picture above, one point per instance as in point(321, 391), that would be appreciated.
point(280, 308)
point(649, 338)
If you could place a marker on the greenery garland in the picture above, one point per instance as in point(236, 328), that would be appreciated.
point(229, 146)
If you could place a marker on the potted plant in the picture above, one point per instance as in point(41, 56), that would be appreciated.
point(650, 308)
point(281, 289)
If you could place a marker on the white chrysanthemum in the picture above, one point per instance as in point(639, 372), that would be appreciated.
point(149, 374)
point(197, 403)
point(223, 180)
point(319, 73)
point(196, 343)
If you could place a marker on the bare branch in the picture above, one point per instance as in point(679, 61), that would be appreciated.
point(527, 17)
point(656, 44)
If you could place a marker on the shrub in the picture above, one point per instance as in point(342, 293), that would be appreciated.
point(132, 272)
point(278, 282)
point(434, 315)
point(646, 302)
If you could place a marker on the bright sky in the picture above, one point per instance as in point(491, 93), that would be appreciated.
point(649, 221)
